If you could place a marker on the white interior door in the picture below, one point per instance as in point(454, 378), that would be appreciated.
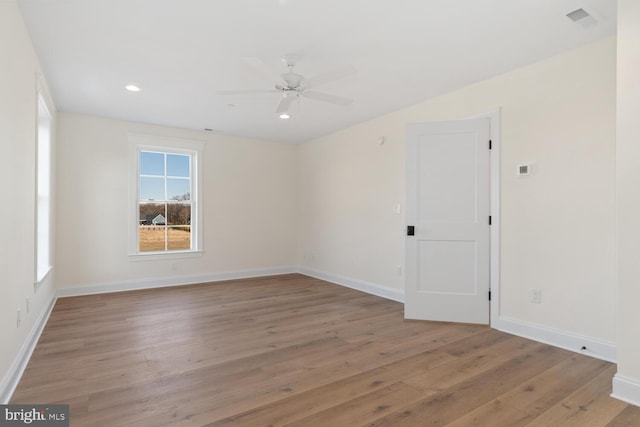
point(448, 204)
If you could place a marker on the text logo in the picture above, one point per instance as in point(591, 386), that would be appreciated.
point(34, 415)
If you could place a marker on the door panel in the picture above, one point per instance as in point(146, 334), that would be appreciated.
point(448, 159)
point(447, 269)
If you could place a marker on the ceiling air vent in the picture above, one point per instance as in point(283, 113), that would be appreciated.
point(582, 17)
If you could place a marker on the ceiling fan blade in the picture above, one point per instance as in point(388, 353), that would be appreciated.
point(259, 68)
point(245, 92)
point(331, 76)
point(284, 105)
point(325, 97)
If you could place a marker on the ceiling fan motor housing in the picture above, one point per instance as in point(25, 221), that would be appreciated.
point(292, 80)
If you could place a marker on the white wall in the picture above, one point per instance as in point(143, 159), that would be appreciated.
point(18, 108)
point(249, 205)
point(557, 230)
point(627, 383)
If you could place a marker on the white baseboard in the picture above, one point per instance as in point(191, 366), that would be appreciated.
point(595, 347)
point(626, 389)
point(160, 282)
point(13, 375)
point(370, 288)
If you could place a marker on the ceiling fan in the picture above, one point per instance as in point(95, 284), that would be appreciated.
point(292, 86)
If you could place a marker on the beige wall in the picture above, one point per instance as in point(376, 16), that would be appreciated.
point(249, 204)
point(557, 230)
point(628, 191)
point(18, 105)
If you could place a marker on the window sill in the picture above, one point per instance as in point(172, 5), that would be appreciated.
point(39, 280)
point(155, 256)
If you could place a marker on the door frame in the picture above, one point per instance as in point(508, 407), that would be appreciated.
point(494, 117)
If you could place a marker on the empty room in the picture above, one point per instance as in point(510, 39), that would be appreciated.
point(240, 213)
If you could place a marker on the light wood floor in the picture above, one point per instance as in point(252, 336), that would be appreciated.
point(296, 351)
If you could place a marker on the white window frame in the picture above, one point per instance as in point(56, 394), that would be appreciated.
point(43, 185)
point(141, 142)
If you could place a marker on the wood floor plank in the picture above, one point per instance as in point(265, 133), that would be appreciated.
point(321, 398)
point(524, 403)
point(472, 363)
point(329, 368)
point(629, 417)
point(296, 350)
point(458, 400)
point(589, 405)
point(364, 408)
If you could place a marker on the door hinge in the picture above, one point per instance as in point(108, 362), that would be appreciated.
point(489, 294)
point(489, 219)
point(489, 144)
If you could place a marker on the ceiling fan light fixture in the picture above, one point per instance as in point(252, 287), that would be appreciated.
point(292, 86)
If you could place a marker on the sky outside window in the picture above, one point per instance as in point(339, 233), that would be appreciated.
point(152, 181)
point(178, 165)
point(151, 163)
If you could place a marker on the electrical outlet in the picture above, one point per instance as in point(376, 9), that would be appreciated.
point(174, 266)
point(19, 319)
point(535, 296)
point(399, 270)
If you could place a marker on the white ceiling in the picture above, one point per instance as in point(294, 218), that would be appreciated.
point(180, 52)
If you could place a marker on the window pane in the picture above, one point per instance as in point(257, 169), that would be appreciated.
point(151, 163)
point(152, 214)
point(178, 214)
point(178, 165)
point(151, 238)
point(43, 177)
point(179, 238)
point(151, 188)
point(178, 189)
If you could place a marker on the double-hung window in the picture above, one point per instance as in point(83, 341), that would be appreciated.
point(167, 205)
point(165, 201)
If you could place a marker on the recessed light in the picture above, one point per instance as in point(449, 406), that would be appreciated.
point(132, 88)
point(284, 116)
